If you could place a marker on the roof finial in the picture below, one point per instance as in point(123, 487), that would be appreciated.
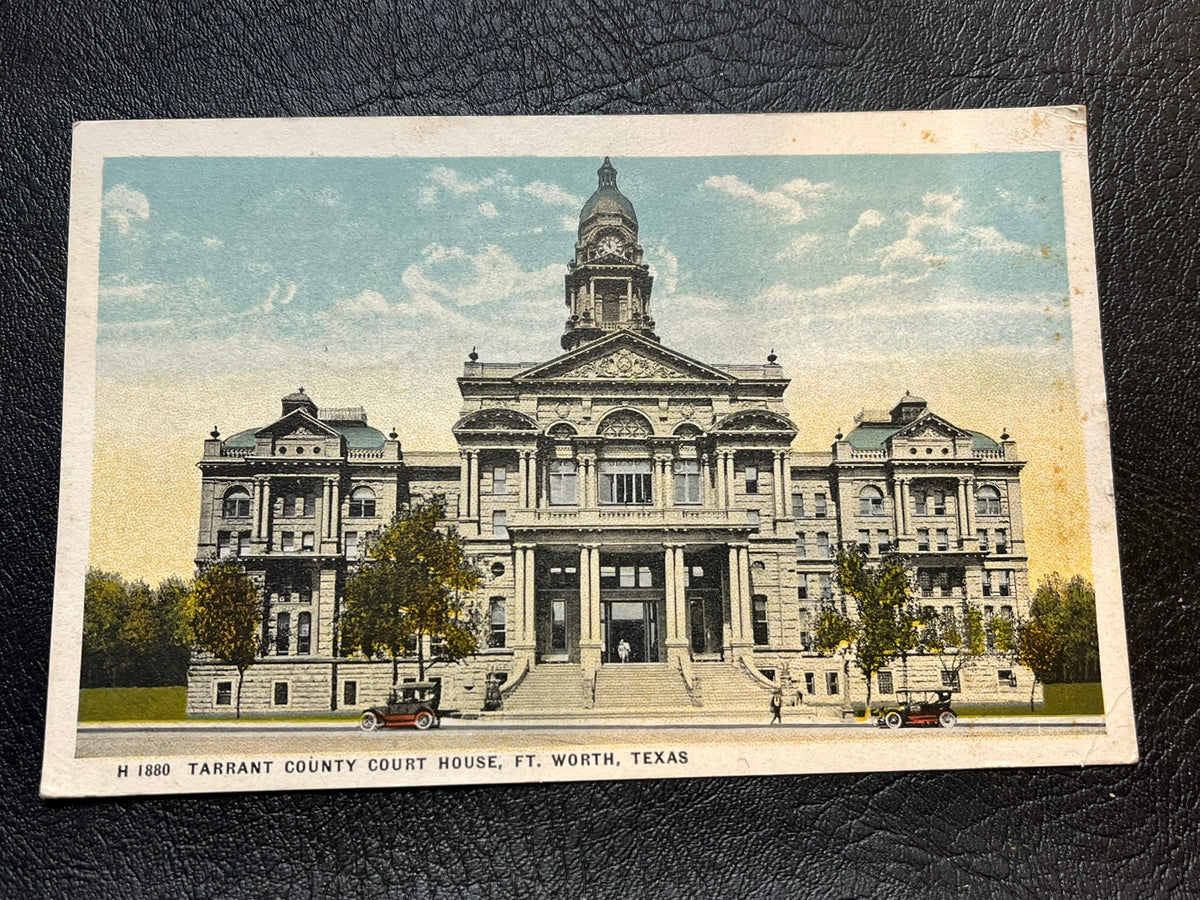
point(392, 435)
point(215, 433)
point(1004, 434)
point(473, 356)
point(607, 173)
point(771, 357)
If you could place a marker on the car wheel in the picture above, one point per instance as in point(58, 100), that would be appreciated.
point(892, 720)
point(369, 721)
point(947, 719)
point(424, 720)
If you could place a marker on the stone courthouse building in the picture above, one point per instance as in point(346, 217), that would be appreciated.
point(649, 540)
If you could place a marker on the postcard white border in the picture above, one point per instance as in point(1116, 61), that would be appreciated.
point(1059, 129)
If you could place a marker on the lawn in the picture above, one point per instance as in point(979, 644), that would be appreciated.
point(156, 704)
point(1061, 700)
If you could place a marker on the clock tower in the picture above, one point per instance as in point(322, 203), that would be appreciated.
point(607, 284)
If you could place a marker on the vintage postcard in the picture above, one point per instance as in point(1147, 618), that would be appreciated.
point(471, 450)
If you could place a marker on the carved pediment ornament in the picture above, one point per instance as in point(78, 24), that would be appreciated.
point(625, 364)
point(302, 433)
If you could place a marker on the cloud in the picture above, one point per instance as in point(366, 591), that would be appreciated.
point(279, 295)
point(123, 206)
point(868, 218)
point(464, 279)
point(212, 243)
point(364, 305)
point(801, 245)
point(119, 289)
point(569, 223)
point(488, 210)
point(668, 274)
point(786, 203)
point(552, 194)
point(428, 195)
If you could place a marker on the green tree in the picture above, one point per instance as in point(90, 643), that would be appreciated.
point(836, 633)
point(105, 607)
point(888, 619)
point(226, 618)
point(1059, 641)
point(408, 588)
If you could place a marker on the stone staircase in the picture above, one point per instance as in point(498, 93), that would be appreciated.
point(547, 690)
point(725, 687)
point(646, 689)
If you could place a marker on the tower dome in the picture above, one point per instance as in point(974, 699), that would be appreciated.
point(607, 205)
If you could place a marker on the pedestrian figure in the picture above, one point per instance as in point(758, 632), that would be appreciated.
point(777, 708)
point(623, 650)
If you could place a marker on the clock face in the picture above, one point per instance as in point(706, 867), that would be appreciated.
point(611, 246)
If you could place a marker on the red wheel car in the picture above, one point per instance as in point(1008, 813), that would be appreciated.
point(415, 705)
point(928, 707)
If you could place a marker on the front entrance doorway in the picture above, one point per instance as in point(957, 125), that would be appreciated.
point(555, 618)
point(632, 623)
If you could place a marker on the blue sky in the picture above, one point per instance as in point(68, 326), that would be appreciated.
point(215, 263)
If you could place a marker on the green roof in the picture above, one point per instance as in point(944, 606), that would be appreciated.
point(871, 436)
point(357, 435)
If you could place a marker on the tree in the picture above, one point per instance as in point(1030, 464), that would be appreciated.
point(408, 588)
point(132, 635)
point(956, 648)
point(1059, 641)
point(226, 618)
point(888, 619)
point(105, 606)
point(836, 633)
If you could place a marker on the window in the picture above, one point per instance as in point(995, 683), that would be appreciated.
point(810, 682)
point(498, 619)
point(864, 540)
point(1005, 585)
point(751, 479)
point(802, 589)
point(349, 693)
point(753, 518)
point(885, 682)
point(923, 540)
point(351, 545)
point(939, 503)
point(287, 541)
point(947, 615)
point(1006, 678)
point(236, 505)
point(760, 620)
point(950, 680)
point(801, 545)
point(224, 548)
point(240, 541)
point(500, 480)
point(283, 633)
point(1001, 540)
point(987, 501)
point(362, 503)
point(1006, 612)
point(564, 483)
point(989, 613)
point(922, 504)
point(987, 584)
point(304, 634)
point(298, 506)
point(625, 482)
point(823, 548)
point(822, 506)
point(798, 504)
point(883, 541)
point(224, 693)
point(500, 523)
point(943, 539)
point(281, 693)
point(831, 682)
point(870, 501)
point(826, 581)
point(982, 534)
point(564, 576)
point(687, 482)
point(306, 541)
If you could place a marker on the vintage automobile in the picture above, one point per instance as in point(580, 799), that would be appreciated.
point(414, 704)
point(917, 707)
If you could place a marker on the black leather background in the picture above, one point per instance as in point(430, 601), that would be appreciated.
point(1128, 831)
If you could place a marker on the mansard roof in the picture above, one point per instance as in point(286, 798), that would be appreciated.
point(358, 435)
point(875, 435)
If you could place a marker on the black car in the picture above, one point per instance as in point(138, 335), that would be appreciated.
point(919, 707)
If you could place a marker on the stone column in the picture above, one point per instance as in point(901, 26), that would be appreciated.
point(589, 608)
point(735, 596)
point(680, 596)
point(531, 500)
point(706, 492)
point(777, 483)
point(730, 470)
point(786, 464)
point(898, 500)
point(464, 481)
point(473, 485)
point(265, 499)
point(722, 501)
point(518, 610)
point(969, 490)
point(668, 482)
point(335, 510)
point(962, 509)
point(669, 586)
point(906, 526)
point(745, 591)
point(523, 478)
point(256, 508)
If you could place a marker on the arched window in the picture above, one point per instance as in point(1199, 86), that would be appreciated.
point(362, 503)
point(870, 501)
point(987, 501)
point(236, 504)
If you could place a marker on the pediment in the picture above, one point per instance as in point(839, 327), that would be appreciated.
point(624, 357)
point(930, 427)
point(299, 424)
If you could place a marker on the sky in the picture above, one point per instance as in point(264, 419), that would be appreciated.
point(226, 283)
